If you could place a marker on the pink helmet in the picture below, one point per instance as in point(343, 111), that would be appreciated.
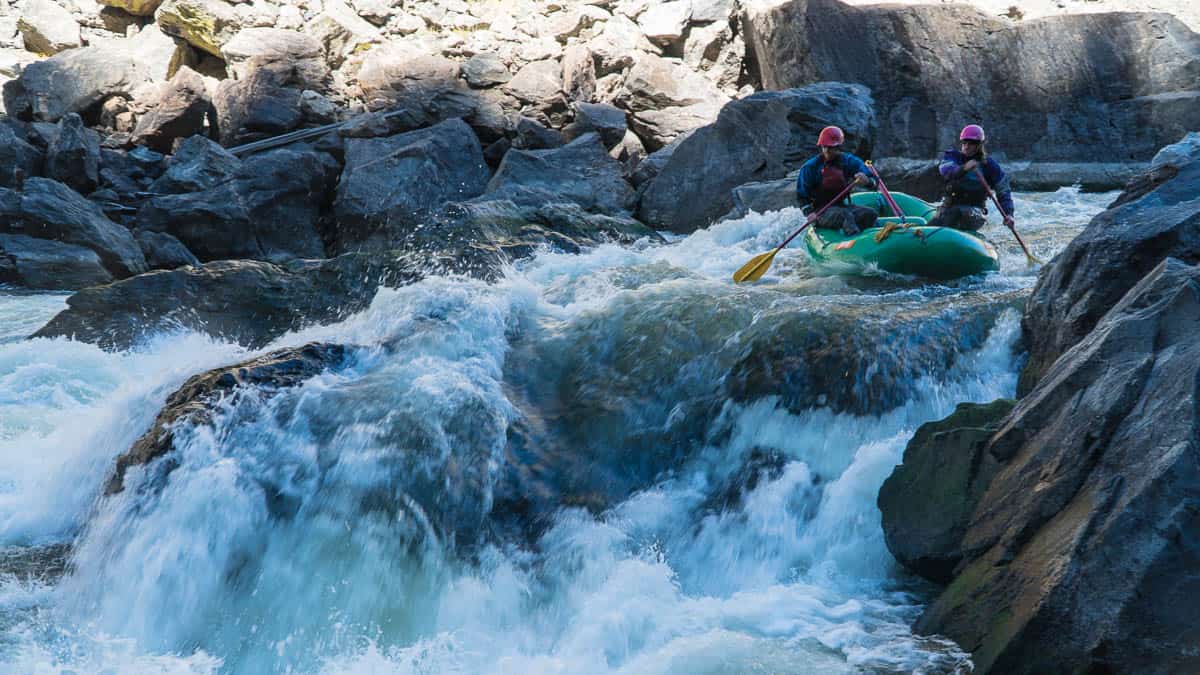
point(972, 132)
point(830, 137)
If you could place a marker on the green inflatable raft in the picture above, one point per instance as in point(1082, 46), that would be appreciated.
point(919, 250)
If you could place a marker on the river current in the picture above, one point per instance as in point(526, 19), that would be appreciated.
point(700, 519)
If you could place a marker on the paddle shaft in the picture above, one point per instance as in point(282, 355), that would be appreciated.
point(813, 218)
point(887, 195)
point(988, 188)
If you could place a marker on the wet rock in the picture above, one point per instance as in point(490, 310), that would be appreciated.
point(74, 156)
point(268, 211)
point(1089, 83)
point(1079, 552)
point(245, 301)
point(73, 81)
point(181, 110)
point(531, 135)
point(928, 500)
point(198, 164)
point(763, 196)
point(580, 172)
point(193, 403)
point(393, 180)
point(164, 252)
point(47, 27)
point(49, 265)
point(1109, 257)
point(47, 209)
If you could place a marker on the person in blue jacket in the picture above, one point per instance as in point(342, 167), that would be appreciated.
point(965, 205)
point(823, 177)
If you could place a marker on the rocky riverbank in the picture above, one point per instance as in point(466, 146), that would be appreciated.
point(1062, 523)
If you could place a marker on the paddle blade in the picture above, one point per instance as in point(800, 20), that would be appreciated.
point(753, 270)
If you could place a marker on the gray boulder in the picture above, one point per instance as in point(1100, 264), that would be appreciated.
point(287, 55)
point(485, 70)
point(256, 107)
point(74, 156)
point(164, 252)
point(182, 107)
point(198, 164)
point(47, 209)
point(580, 172)
point(47, 27)
point(533, 135)
point(49, 265)
point(1068, 88)
point(1078, 556)
point(604, 119)
point(245, 301)
point(16, 152)
point(928, 500)
point(1112, 254)
point(268, 211)
point(73, 81)
point(425, 88)
point(388, 183)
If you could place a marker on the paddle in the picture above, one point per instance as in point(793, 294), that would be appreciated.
point(758, 265)
point(1029, 257)
point(887, 196)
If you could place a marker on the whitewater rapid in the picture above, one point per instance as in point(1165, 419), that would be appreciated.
point(292, 536)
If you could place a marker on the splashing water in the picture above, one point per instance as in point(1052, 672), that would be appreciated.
point(363, 521)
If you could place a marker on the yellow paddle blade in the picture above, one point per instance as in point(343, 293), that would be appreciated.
point(753, 270)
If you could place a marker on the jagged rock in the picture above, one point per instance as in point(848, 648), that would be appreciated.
point(182, 107)
point(377, 12)
point(606, 120)
point(246, 301)
point(692, 189)
point(629, 152)
point(164, 252)
point(389, 182)
point(531, 135)
point(704, 11)
point(618, 46)
point(73, 81)
point(578, 73)
point(1103, 262)
point(664, 23)
point(493, 115)
point(341, 31)
point(16, 152)
point(134, 7)
point(160, 54)
point(119, 21)
point(571, 21)
point(425, 88)
point(580, 172)
point(1072, 101)
point(538, 83)
point(74, 156)
point(198, 164)
point(193, 402)
point(204, 24)
point(928, 500)
point(316, 108)
point(485, 70)
point(255, 108)
point(293, 58)
point(655, 83)
point(47, 209)
point(763, 196)
point(268, 211)
point(1079, 552)
point(49, 265)
point(47, 27)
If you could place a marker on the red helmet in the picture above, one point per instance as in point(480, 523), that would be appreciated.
point(830, 137)
point(972, 132)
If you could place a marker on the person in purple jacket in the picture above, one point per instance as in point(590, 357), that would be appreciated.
point(824, 176)
point(965, 204)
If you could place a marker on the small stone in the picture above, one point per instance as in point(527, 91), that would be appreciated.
point(485, 70)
